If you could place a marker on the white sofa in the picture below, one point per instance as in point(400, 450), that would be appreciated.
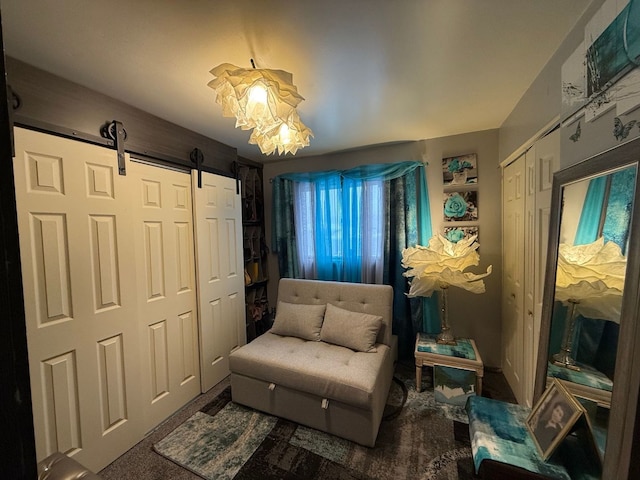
point(300, 369)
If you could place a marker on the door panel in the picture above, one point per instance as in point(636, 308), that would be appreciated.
point(218, 220)
point(79, 284)
point(513, 274)
point(163, 216)
point(528, 353)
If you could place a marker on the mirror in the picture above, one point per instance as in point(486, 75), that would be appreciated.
point(589, 312)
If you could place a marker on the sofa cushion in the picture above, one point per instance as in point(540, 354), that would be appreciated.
point(354, 330)
point(297, 320)
point(318, 368)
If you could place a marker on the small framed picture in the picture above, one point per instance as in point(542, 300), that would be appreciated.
point(460, 206)
point(460, 170)
point(456, 234)
point(552, 418)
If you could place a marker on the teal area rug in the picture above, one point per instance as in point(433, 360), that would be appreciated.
point(218, 446)
point(418, 438)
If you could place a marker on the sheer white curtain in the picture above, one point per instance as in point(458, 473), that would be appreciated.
point(373, 231)
point(304, 195)
point(367, 224)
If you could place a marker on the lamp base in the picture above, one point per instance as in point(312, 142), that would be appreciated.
point(445, 337)
point(563, 359)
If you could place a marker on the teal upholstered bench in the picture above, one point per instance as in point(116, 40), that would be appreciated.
point(503, 448)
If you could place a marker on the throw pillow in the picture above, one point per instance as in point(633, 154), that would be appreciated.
point(298, 320)
point(354, 330)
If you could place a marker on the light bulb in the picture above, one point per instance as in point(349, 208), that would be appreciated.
point(285, 136)
point(257, 94)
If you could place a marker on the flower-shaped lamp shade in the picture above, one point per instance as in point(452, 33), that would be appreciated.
point(258, 98)
point(592, 275)
point(442, 264)
point(287, 137)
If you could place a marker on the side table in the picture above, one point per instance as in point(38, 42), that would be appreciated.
point(463, 355)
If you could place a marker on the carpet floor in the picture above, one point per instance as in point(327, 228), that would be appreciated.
point(213, 438)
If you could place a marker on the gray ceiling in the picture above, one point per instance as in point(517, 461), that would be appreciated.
point(371, 71)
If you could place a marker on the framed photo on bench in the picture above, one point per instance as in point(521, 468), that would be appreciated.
point(553, 417)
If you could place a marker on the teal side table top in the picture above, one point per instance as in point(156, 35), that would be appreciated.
point(464, 349)
point(587, 375)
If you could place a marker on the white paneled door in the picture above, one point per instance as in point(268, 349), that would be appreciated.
point(513, 204)
point(78, 263)
point(526, 207)
point(167, 307)
point(220, 272)
point(116, 341)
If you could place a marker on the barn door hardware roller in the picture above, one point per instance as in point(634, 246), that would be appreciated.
point(116, 132)
point(197, 157)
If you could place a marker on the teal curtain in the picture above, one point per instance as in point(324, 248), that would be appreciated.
point(609, 198)
point(283, 232)
point(589, 224)
point(619, 207)
point(407, 223)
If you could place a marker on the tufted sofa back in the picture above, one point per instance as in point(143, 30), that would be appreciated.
point(357, 297)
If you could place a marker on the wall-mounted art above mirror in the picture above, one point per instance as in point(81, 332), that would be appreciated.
point(589, 314)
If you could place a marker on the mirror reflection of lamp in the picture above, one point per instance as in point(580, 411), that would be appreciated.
point(589, 281)
point(439, 266)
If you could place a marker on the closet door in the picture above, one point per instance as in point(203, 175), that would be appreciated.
point(220, 272)
point(513, 204)
point(163, 237)
point(528, 353)
point(526, 208)
point(546, 161)
point(75, 222)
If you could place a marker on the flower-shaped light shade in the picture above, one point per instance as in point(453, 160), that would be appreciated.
point(287, 137)
point(264, 100)
point(258, 98)
point(441, 264)
point(593, 276)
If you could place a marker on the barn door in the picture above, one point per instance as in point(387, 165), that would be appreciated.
point(163, 237)
point(78, 261)
point(220, 272)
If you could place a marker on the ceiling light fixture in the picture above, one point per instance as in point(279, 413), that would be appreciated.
point(288, 137)
point(263, 100)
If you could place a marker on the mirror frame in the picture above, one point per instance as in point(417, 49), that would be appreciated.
point(626, 381)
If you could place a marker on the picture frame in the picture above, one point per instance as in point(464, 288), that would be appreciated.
point(455, 233)
point(460, 170)
point(453, 385)
point(553, 417)
point(460, 206)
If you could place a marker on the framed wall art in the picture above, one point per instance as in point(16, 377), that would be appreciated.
point(455, 234)
point(460, 206)
point(460, 170)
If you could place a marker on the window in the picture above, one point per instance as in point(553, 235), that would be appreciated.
point(339, 226)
